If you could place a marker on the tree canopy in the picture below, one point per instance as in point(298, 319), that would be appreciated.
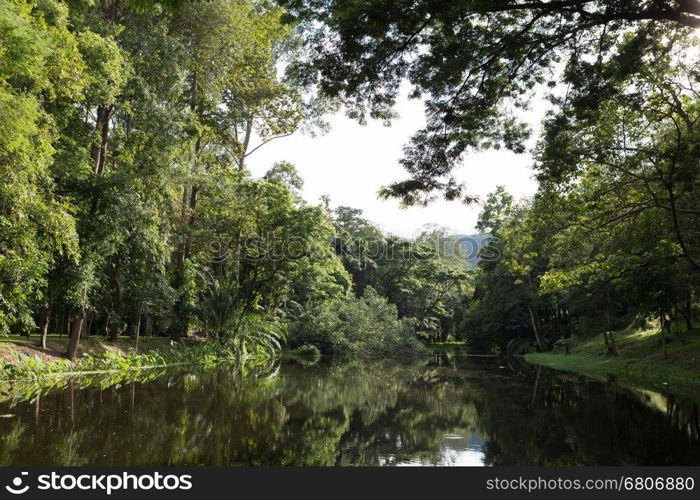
point(476, 64)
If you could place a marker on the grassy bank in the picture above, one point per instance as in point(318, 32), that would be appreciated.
point(640, 359)
point(23, 359)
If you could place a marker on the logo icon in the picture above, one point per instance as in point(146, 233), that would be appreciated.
point(17, 483)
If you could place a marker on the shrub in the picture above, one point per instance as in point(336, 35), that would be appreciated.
point(357, 327)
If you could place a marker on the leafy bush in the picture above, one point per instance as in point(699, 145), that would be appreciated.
point(356, 327)
point(35, 368)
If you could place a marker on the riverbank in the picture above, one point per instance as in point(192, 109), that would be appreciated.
point(23, 359)
point(640, 359)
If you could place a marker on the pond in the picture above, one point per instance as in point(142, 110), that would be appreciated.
point(449, 410)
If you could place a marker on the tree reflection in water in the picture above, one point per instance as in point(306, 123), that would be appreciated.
point(451, 410)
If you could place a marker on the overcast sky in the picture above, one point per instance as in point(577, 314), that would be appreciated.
point(351, 162)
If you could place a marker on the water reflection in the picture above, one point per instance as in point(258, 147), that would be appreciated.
point(451, 410)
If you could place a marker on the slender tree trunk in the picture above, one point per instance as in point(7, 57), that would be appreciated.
point(136, 330)
point(663, 334)
point(193, 204)
point(76, 330)
point(104, 115)
point(534, 328)
point(99, 149)
point(118, 301)
point(676, 222)
point(45, 321)
point(114, 330)
point(246, 143)
point(182, 251)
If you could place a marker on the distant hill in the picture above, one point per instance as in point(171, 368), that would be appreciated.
point(473, 243)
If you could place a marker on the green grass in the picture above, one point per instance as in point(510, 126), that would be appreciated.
point(23, 359)
point(640, 359)
point(451, 343)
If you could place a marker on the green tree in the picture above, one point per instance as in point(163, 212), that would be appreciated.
point(36, 228)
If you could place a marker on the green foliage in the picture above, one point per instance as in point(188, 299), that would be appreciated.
point(307, 354)
point(104, 67)
point(640, 360)
point(612, 235)
point(35, 368)
point(426, 278)
point(367, 327)
point(475, 64)
point(35, 226)
point(124, 129)
point(125, 197)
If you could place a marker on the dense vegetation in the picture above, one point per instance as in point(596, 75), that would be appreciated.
point(126, 205)
point(611, 239)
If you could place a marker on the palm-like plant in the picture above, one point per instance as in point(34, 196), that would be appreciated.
point(250, 331)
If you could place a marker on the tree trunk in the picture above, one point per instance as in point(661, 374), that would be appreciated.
point(74, 339)
point(246, 143)
point(99, 149)
point(136, 330)
point(45, 321)
point(113, 331)
point(104, 114)
point(534, 328)
point(674, 321)
point(664, 324)
point(118, 302)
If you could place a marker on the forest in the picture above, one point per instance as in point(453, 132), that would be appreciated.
point(127, 208)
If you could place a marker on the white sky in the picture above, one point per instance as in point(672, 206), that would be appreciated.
point(351, 162)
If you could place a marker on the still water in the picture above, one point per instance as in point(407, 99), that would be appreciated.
point(450, 410)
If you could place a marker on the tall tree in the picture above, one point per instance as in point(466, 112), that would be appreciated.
point(41, 71)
